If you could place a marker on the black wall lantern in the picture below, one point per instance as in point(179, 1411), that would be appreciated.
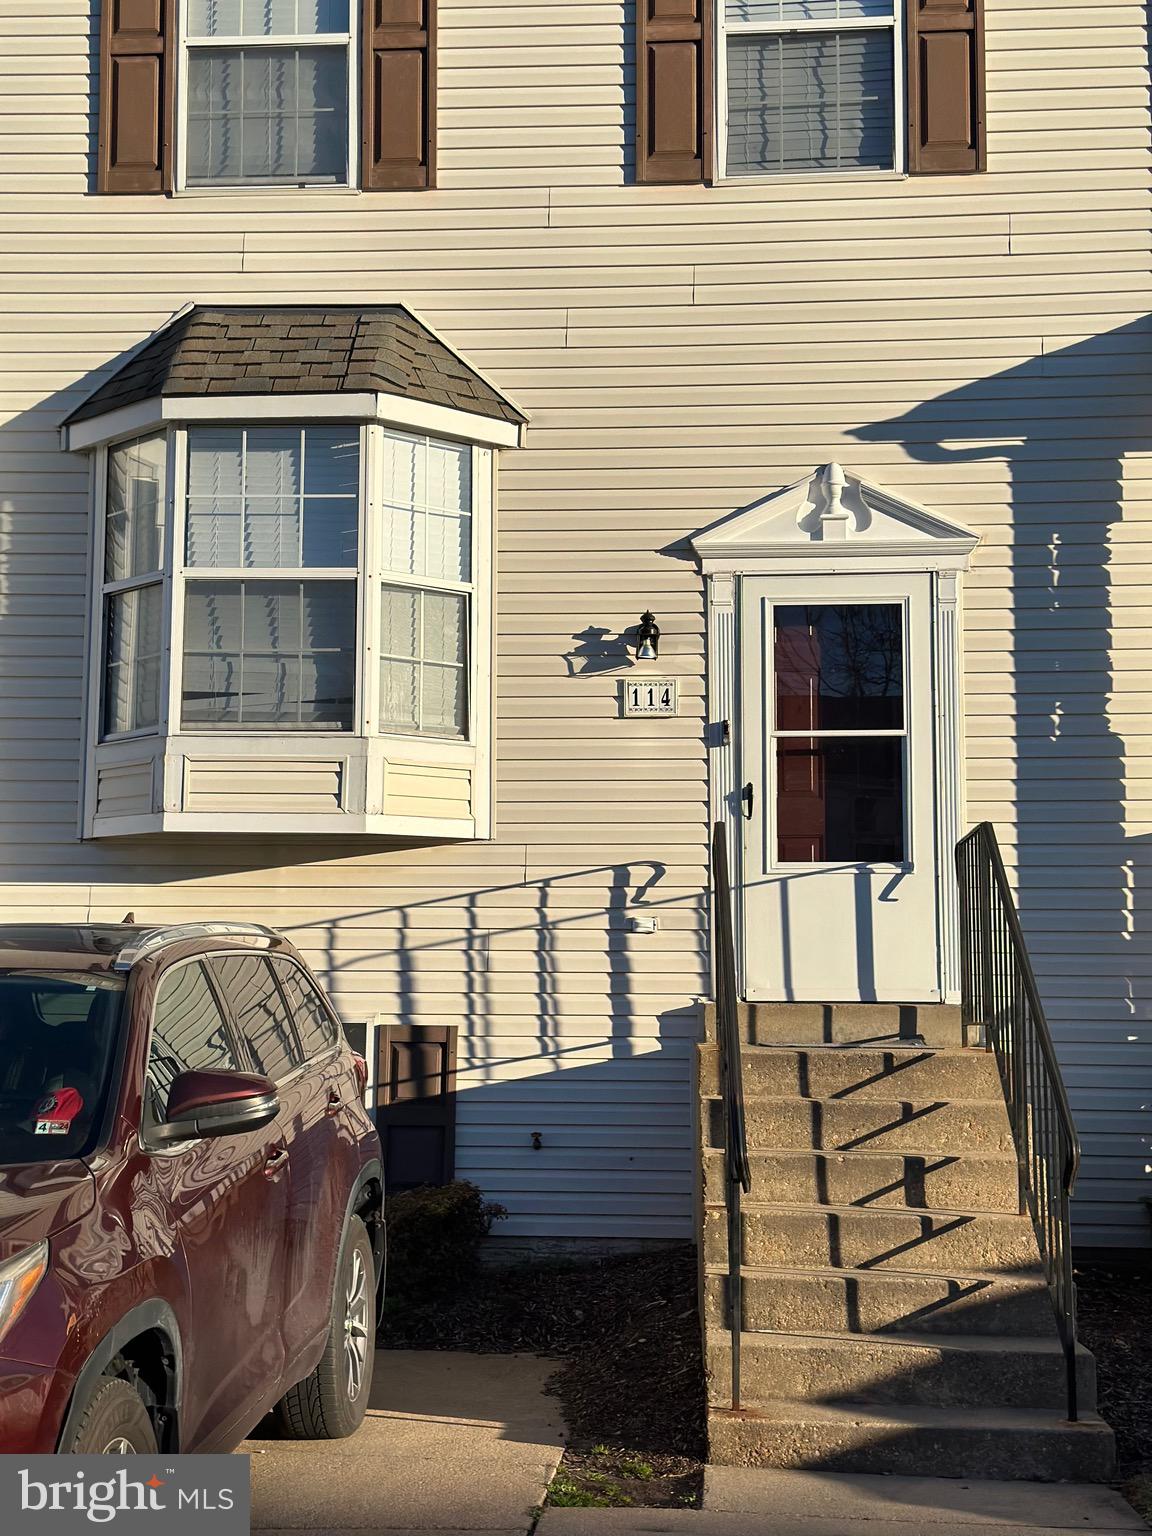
point(648, 638)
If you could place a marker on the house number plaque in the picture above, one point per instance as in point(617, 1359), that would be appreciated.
point(650, 696)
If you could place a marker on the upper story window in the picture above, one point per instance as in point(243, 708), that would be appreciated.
point(810, 85)
point(268, 92)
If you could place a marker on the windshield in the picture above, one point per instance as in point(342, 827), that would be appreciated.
point(58, 1036)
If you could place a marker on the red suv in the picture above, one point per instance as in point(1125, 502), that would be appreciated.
point(190, 1193)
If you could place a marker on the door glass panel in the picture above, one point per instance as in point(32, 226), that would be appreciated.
point(840, 799)
point(839, 667)
point(259, 1012)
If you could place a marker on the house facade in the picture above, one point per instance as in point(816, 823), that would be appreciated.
point(372, 367)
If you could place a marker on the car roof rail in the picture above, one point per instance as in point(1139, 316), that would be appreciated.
point(177, 933)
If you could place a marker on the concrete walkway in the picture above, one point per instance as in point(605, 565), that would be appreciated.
point(767, 1503)
point(453, 1443)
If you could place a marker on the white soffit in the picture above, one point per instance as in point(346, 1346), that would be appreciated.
point(391, 410)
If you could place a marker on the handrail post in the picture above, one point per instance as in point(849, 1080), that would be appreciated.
point(737, 1170)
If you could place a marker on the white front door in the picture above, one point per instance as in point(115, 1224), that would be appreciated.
point(840, 881)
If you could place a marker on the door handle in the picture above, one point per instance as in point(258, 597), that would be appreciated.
point(335, 1102)
point(748, 801)
point(275, 1162)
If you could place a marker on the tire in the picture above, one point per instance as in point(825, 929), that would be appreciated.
point(114, 1422)
point(331, 1402)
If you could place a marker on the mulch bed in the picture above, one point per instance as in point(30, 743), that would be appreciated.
point(1115, 1323)
point(632, 1383)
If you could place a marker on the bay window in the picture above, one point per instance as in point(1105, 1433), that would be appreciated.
point(291, 613)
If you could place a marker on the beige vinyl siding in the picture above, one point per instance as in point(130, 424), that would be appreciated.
point(982, 344)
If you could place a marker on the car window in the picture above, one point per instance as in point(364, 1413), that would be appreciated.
point(189, 1034)
point(259, 1012)
point(313, 1021)
point(59, 1033)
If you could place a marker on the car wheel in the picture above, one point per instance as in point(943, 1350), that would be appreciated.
point(114, 1422)
point(330, 1403)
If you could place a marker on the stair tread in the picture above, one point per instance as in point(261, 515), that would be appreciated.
point(970, 1343)
point(1016, 1279)
point(898, 1414)
point(873, 1101)
point(809, 1207)
point(998, 1154)
point(855, 1047)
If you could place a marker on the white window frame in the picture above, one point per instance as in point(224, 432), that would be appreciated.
point(186, 45)
point(184, 575)
point(385, 576)
point(894, 24)
point(106, 589)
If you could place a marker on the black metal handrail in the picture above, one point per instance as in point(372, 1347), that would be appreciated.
point(737, 1168)
point(1000, 994)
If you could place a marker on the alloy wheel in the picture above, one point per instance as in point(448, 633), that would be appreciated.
point(356, 1327)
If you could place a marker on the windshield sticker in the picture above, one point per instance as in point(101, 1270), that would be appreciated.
point(57, 1109)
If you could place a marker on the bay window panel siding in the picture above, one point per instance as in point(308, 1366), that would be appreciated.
point(811, 101)
point(134, 520)
point(269, 115)
point(266, 18)
point(132, 652)
point(273, 654)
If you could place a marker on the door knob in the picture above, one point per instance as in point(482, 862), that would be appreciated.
point(748, 800)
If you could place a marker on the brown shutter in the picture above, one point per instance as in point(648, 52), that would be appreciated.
point(137, 49)
point(416, 1104)
point(946, 86)
point(399, 89)
point(674, 90)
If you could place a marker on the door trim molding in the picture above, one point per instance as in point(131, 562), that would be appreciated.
point(835, 522)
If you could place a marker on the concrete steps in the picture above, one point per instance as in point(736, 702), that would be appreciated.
point(822, 1072)
point(895, 1316)
point(873, 1239)
point(780, 1300)
point(986, 1182)
point(914, 1441)
point(848, 1125)
point(912, 1369)
point(934, 1024)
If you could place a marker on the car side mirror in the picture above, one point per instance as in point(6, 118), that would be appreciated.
point(209, 1104)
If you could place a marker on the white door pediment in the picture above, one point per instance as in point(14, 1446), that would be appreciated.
point(834, 515)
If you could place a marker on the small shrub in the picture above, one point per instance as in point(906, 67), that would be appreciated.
point(434, 1238)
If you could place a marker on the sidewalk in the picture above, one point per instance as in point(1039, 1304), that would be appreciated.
point(453, 1443)
point(769, 1503)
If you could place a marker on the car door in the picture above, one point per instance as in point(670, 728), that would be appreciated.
point(322, 1178)
point(227, 1198)
point(263, 1017)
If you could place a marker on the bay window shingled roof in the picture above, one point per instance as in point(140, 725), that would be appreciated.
point(297, 350)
